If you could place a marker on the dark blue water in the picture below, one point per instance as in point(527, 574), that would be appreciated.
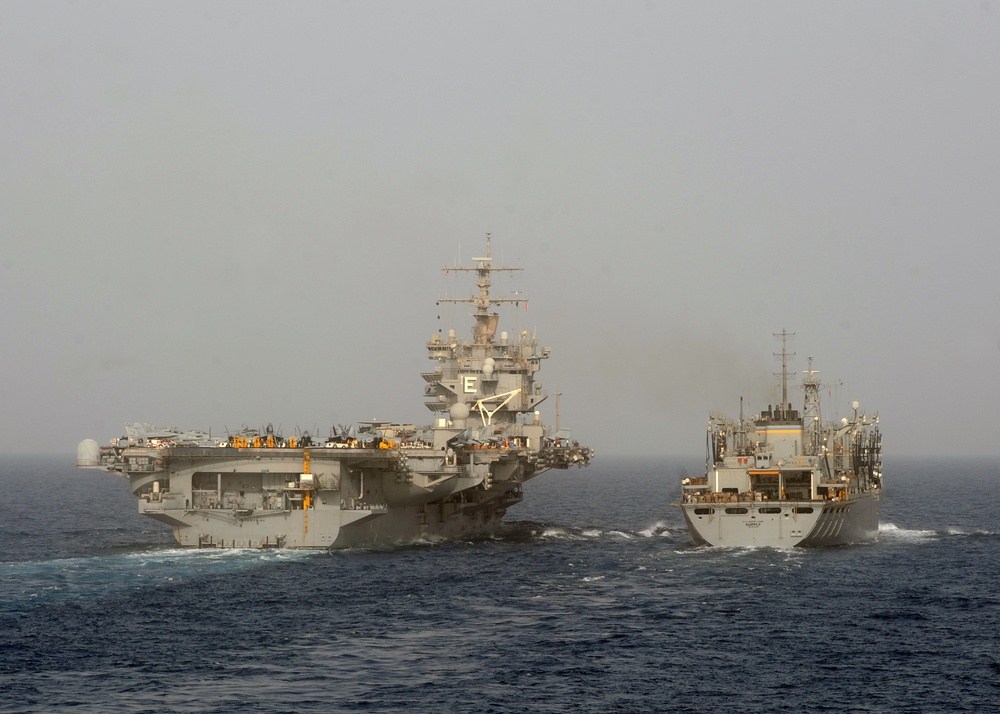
point(592, 599)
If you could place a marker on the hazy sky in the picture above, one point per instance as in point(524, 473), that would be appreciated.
point(228, 213)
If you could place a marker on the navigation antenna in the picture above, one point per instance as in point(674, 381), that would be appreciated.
point(784, 335)
point(486, 321)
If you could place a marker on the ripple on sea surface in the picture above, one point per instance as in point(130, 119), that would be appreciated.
point(601, 606)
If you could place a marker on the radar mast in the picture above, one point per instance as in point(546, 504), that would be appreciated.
point(486, 322)
point(784, 354)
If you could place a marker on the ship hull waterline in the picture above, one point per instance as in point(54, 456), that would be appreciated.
point(785, 524)
point(258, 498)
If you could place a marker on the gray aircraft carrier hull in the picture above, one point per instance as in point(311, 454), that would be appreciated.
point(259, 498)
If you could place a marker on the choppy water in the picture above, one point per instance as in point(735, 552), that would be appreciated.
point(592, 599)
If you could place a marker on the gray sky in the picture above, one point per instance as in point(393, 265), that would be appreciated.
point(229, 213)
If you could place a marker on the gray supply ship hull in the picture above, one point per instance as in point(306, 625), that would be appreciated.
point(379, 483)
point(784, 524)
point(784, 478)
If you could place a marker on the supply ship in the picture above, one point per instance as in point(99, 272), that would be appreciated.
point(785, 478)
point(375, 483)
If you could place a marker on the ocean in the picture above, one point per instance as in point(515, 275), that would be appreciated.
point(590, 599)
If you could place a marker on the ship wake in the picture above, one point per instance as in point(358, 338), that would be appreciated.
point(531, 531)
point(29, 583)
point(892, 532)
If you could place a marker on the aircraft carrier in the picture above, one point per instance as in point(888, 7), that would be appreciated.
point(374, 483)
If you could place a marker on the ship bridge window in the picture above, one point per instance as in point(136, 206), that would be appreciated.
point(798, 478)
point(765, 483)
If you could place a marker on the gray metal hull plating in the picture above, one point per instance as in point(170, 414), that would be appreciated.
point(258, 498)
point(785, 524)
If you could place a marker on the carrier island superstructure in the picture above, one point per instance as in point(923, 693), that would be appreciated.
point(376, 483)
point(786, 478)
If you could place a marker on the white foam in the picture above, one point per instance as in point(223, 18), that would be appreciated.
point(892, 531)
point(621, 534)
point(957, 531)
point(657, 529)
point(556, 533)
